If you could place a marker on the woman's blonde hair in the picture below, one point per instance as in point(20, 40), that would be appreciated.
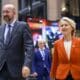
point(71, 22)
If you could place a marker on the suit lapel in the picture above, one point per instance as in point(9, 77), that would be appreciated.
point(14, 30)
point(3, 30)
point(40, 54)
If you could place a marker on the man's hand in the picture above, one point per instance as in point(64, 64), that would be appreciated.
point(25, 71)
point(34, 74)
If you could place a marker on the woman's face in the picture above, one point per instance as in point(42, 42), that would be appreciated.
point(65, 28)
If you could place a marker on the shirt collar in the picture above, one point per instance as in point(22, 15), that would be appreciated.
point(42, 49)
point(12, 23)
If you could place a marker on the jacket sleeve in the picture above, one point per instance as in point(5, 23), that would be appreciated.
point(28, 46)
point(34, 63)
point(54, 63)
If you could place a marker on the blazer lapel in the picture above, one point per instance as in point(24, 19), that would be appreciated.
point(62, 48)
point(14, 30)
point(40, 54)
point(72, 47)
point(2, 31)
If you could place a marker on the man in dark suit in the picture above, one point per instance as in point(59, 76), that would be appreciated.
point(42, 62)
point(16, 46)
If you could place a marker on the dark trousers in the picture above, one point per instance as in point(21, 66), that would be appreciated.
point(69, 77)
point(44, 75)
point(5, 75)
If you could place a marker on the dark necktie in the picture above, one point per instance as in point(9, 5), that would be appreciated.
point(8, 36)
point(43, 54)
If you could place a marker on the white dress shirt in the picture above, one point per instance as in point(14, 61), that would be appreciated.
point(42, 53)
point(7, 28)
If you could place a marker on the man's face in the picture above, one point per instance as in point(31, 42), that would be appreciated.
point(41, 44)
point(8, 14)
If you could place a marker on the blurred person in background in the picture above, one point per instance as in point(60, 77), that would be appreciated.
point(42, 62)
point(16, 46)
point(66, 55)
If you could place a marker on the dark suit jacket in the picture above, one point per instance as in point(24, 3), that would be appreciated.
point(38, 62)
point(19, 50)
point(61, 65)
